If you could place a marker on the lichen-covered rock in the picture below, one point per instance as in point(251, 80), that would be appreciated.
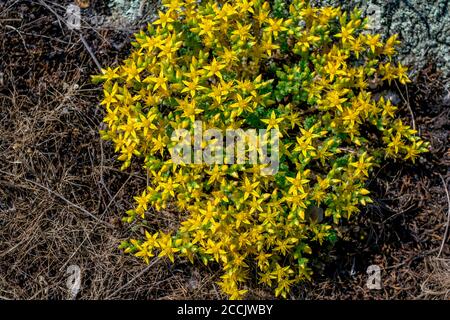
point(423, 26)
point(128, 9)
point(130, 12)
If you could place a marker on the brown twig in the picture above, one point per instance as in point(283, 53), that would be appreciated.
point(91, 53)
point(444, 240)
point(407, 104)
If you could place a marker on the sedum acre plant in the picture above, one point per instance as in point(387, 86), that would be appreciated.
point(302, 70)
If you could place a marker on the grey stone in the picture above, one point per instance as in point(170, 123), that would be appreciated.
point(423, 27)
point(131, 10)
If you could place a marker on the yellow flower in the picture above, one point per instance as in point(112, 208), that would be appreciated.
point(159, 82)
point(194, 72)
point(217, 92)
point(189, 108)
point(129, 129)
point(166, 246)
point(250, 188)
point(215, 249)
point(388, 71)
point(309, 135)
point(275, 26)
point(346, 33)
point(245, 6)
point(206, 27)
point(146, 122)
point(225, 12)
point(263, 260)
point(127, 151)
point(357, 46)
point(396, 142)
point(110, 96)
point(262, 14)
point(214, 69)
point(335, 99)
point(173, 5)
point(217, 173)
point(169, 47)
point(241, 105)
point(132, 72)
point(158, 145)
point(412, 152)
point(144, 251)
point(402, 74)
point(109, 74)
point(229, 57)
point(273, 122)
point(267, 46)
point(192, 86)
point(298, 182)
point(373, 41)
point(362, 165)
point(389, 47)
point(387, 107)
point(242, 32)
point(164, 19)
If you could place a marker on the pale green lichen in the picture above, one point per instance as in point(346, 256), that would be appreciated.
point(128, 10)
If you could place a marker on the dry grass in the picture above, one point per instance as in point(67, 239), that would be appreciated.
point(62, 195)
point(437, 284)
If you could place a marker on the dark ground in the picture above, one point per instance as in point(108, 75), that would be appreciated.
point(62, 195)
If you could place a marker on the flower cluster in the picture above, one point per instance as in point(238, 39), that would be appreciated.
point(303, 70)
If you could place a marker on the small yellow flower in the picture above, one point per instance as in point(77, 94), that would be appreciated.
point(273, 122)
point(214, 69)
point(164, 19)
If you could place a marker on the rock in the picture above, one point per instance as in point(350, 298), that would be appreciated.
point(393, 97)
point(130, 10)
point(446, 100)
point(423, 27)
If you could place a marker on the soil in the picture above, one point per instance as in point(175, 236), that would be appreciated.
point(62, 194)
